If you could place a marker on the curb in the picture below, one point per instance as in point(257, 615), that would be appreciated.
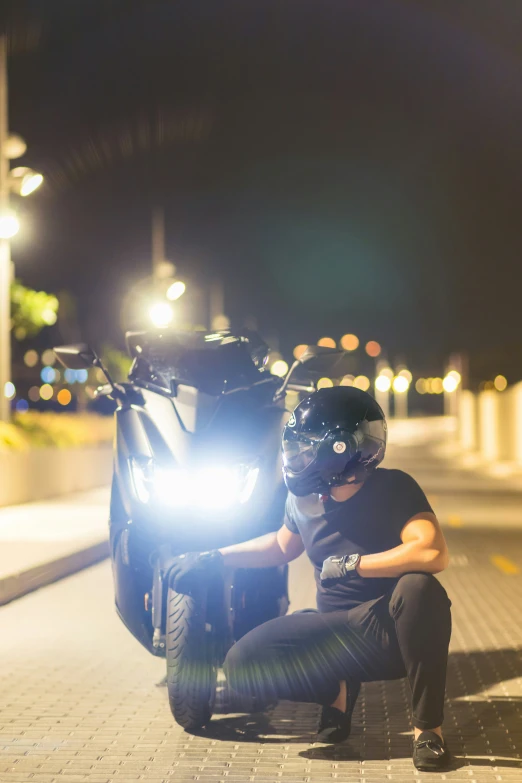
point(24, 582)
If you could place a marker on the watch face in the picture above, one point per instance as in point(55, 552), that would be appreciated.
point(352, 561)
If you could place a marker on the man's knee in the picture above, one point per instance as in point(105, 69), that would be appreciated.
point(419, 590)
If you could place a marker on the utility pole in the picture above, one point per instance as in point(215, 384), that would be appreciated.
point(158, 241)
point(5, 249)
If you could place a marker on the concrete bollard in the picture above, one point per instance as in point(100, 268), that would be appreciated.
point(468, 420)
point(488, 425)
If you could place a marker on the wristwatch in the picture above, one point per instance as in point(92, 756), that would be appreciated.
point(339, 566)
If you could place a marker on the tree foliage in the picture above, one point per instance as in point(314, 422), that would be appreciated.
point(31, 310)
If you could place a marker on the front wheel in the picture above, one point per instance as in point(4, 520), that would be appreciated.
point(192, 662)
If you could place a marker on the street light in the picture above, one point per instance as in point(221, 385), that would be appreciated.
point(9, 225)
point(21, 182)
point(161, 314)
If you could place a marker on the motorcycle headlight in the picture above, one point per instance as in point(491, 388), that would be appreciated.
point(205, 488)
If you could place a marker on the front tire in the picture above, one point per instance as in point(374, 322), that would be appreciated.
point(191, 660)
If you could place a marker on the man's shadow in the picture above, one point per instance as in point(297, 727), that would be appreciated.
point(476, 726)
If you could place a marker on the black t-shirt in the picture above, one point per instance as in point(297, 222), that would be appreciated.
point(371, 521)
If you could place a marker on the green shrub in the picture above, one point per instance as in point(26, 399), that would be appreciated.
point(61, 430)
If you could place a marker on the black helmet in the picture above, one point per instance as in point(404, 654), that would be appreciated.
point(332, 436)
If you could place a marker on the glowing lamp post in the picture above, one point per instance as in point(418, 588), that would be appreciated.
point(22, 181)
point(400, 386)
point(383, 384)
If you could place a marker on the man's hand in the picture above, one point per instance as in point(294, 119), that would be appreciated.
point(193, 569)
point(339, 567)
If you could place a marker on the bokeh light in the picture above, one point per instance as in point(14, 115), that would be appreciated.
point(161, 314)
point(9, 390)
point(48, 375)
point(48, 357)
point(362, 382)
point(373, 348)
point(421, 386)
point(64, 397)
point(31, 358)
point(404, 373)
point(347, 380)
point(400, 384)
point(324, 383)
point(22, 406)
point(46, 391)
point(455, 374)
point(34, 393)
point(500, 383)
point(299, 350)
point(349, 342)
point(383, 383)
point(9, 225)
point(279, 367)
point(327, 342)
point(436, 386)
point(449, 384)
point(176, 290)
point(49, 316)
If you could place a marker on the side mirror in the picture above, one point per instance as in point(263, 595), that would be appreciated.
point(77, 356)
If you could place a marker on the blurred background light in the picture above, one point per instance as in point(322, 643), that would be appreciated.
point(349, 342)
point(324, 383)
point(382, 383)
point(22, 406)
point(405, 374)
point(34, 393)
point(500, 383)
point(49, 316)
point(456, 375)
point(436, 386)
point(362, 382)
point(48, 357)
point(48, 375)
point(9, 225)
point(9, 390)
point(449, 384)
point(348, 380)
point(387, 372)
point(279, 367)
point(70, 376)
point(400, 384)
point(373, 348)
point(46, 391)
point(31, 358)
point(64, 396)
point(176, 290)
point(327, 342)
point(30, 183)
point(421, 386)
point(299, 351)
point(161, 314)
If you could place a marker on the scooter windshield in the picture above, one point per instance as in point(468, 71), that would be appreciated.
point(211, 368)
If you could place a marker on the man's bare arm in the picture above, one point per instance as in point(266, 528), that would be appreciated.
point(423, 549)
point(274, 549)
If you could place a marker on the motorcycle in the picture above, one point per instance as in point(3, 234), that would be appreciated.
point(197, 467)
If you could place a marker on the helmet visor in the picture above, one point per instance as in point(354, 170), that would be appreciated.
point(299, 454)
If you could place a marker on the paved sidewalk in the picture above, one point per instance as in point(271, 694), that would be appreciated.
point(42, 542)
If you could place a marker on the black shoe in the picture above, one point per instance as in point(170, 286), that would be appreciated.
point(335, 726)
point(430, 752)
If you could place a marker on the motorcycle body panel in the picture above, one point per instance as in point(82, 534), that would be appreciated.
point(186, 428)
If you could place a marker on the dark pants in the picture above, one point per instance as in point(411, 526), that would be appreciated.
point(304, 656)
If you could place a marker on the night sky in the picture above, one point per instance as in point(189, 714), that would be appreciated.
point(343, 166)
